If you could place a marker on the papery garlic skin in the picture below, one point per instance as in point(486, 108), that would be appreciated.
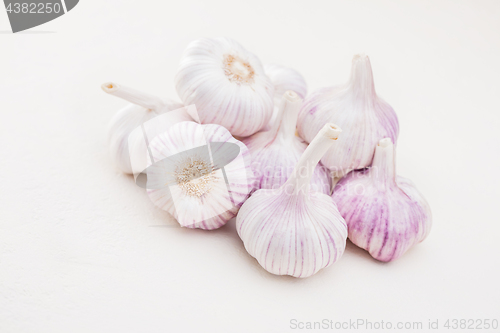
point(142, 107)
point(385, 213)
point(276, 152)
point(205, 201)
point(364, 117)
point(227, 84)
point(292, 230)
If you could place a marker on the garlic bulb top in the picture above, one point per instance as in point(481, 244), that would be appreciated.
point(292, 230)
point(385, 213)
point(199, 174)
point(364, 117)
point(143, 107)
point(275, 152)
point(227, 84)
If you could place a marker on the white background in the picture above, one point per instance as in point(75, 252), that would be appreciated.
point(82, 249)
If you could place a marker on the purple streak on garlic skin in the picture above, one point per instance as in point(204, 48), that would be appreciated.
point(364, 117)
point(277, 151)
point(293, 230)
point(385, 213)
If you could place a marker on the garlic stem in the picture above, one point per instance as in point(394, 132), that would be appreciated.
point(384, 164)
point(361, 80)
point(301, 175)
point(288, 112)
point(134, 96)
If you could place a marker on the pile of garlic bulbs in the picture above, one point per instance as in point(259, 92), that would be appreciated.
point(300, 172)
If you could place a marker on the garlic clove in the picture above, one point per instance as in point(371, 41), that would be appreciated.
point(293, 230)
point(143, 108)
point(227, 84)
point(193, 183)
point(385, 213)
point(364, 117)
point(275, 152)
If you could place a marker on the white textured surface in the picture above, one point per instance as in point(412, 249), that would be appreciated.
point(82, 249)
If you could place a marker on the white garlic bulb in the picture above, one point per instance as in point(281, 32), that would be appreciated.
point(199, 174)
point(284, 79)
point(364, 117)
point(292, 230)
point(227, 84)
point(385, 213)
point(143, 107)
point(275, 152)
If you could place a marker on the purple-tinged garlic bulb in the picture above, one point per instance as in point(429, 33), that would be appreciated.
point(293, 230)
point(276, 152)
point(199, 174)
point(364, 117)
point(142, 107)
point(227, 84)
point(385, 213)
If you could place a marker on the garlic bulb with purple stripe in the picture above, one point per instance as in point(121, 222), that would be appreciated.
point(142, 107)
point(292, 230)
point(364, 117)
point(199, 174)
point(385, 213)
point(227, 84)
point(275, 152)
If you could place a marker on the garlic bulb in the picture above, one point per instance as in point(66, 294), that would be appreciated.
point(199, 174)
point(227, 84)
point(292, 230)
point(143, 107)
point(277, 151)
point(364, 117)
point(385, 213)
point(284, 79)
